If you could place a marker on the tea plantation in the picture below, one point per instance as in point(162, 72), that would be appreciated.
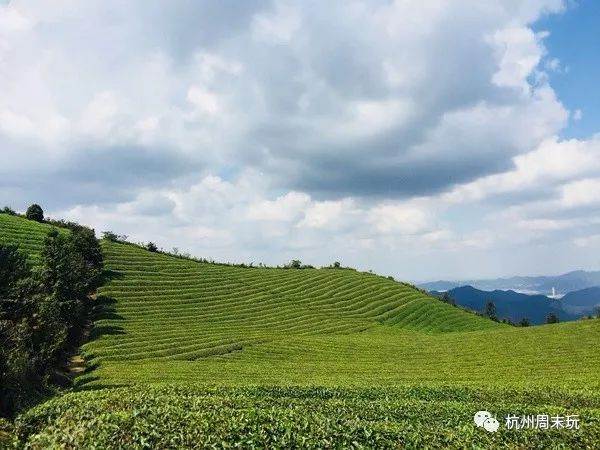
point(188, 354)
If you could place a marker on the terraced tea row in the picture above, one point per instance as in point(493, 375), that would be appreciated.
point(559, 356)
point(187, 416)
point(172, 308)
point(26, 234)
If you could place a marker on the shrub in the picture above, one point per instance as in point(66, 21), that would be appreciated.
point(552, 318)
point(524, 322)
point(114, 237)
point(151, 247)
point(490, 310)
point(43, 313)
point(35, 212)
point(447, 299)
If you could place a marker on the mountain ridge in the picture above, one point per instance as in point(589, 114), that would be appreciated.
point(564, 283)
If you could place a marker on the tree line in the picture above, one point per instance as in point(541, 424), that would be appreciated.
point(44, 310)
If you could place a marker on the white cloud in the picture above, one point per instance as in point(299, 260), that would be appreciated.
point(296, 129)
point(519, 51)
point(403, 219)
point(203, 100)
point(581, 193)
point(288, 207)
point(277, 26)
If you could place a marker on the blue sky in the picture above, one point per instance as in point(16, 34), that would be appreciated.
point(575, 40)
point(421, 139)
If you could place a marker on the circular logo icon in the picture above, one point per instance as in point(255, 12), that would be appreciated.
point(491, 425)
point(480, 417)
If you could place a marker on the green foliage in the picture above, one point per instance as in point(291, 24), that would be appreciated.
point(113, 237)
point(552, 318)
point(35, 212)
point(447, 299)
point(294, 264)
point(71, 269)
point(151, 247)
point(350, 339)
point(524, 322)
point(193, 417)
point(28, 331)
point(43, 310)
point(297, 264)
point(490, 311)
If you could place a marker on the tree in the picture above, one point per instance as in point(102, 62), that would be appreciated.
point(552, 318)
point(294, 264)
point(337, 265)
point(447, 299)
point(27, 334)
point(524, 322)
point(35, 212)
point(110, 236)
point(151, 247)
point(490, 310)
point(114, 237)
point(43, 312)
point(85, 243)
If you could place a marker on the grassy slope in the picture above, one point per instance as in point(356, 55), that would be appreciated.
point(179, 321)
point(27, 234)
point(169, 309)
point(176, 319)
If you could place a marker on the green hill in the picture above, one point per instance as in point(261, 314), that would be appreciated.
point(253, 352)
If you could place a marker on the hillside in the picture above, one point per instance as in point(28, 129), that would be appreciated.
point(27, 234)
point(209, 353)
point(583, 301)
point(179, 309)
point(510, 304)
point(164, 318)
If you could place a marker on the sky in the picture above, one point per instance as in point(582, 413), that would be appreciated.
point(420, 139)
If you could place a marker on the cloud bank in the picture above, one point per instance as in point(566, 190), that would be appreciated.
point(398, 136)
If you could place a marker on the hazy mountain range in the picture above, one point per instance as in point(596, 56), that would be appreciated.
point(517, 306)
point(562, 284)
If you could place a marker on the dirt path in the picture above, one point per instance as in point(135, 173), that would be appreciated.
point(76, 365)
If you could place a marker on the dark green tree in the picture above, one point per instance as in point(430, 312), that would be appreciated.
point(490, 310)
point(524, 322)
point(552, 318)
point(43, 312)
point(151, 247)
point(85, 244)
point(35, 212)
point(447, 299)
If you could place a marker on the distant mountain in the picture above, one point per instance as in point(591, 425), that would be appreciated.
point(582, 302)
point(562, 284)
point(510, 304)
